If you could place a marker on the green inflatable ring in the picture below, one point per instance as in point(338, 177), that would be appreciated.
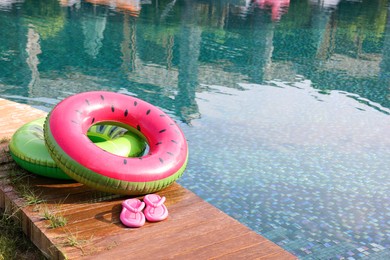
point(27, 146)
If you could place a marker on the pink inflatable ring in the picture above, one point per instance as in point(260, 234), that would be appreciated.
point(66, 138)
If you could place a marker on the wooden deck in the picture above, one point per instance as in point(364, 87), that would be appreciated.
point(193, 230)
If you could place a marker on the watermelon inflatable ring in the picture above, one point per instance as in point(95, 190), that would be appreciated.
point(66, 129)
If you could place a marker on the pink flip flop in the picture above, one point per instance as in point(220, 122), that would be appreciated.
point(131, 214)
point(155, 209)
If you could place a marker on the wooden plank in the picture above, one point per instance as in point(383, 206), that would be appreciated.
point(193, 230)
point(13, 115)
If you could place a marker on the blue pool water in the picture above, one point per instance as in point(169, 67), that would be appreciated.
point(285, 104)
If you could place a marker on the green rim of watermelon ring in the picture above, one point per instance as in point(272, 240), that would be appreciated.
point(27, 147)
point(164, 163)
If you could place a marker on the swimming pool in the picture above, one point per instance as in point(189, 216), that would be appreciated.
point(286, 107)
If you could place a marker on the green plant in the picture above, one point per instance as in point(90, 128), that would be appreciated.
point(30, 196)
point(55, 219)
point(74, 241)
point(4, 140)
point(15, 177)
point(13, 243)
point(18, 181)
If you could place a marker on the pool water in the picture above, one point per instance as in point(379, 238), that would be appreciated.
point(285, 104)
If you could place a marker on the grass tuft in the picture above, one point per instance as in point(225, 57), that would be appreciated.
point(31, 197)
point(13, 243)
point(4, 140)
point(55, 220)
point(18, 180)
point(75, 241)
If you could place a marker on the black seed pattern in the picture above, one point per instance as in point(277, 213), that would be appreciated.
point(102, 97)
point(148, 112)
point(39, 129)
point(162, 131)
point(158, 143)
point(171, 154)
point(93, 120)
point(87, 102)
point(78, 111)
point(138, 128)
point(124, 161)
point(161, 160)
point(173, 141)
point(101, 128)
point(162, 115)
point(112, 131)
point(112, 108)
point(75, 122)
point(135, 103)
point(126, 112)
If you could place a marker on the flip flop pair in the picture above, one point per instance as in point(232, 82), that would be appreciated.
point(155, 210)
